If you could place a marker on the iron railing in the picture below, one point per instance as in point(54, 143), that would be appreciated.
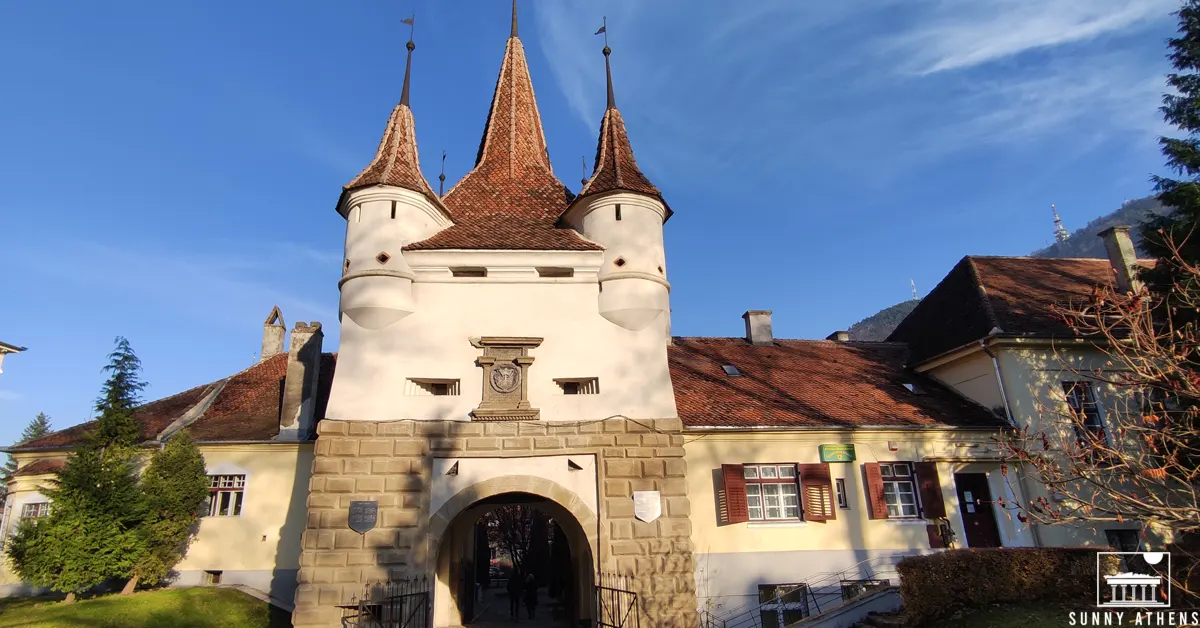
point(393, 604)
point(616, 603)
point(781, 605)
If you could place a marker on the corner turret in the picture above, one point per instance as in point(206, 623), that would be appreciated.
point(388, 205)
point(622, 210)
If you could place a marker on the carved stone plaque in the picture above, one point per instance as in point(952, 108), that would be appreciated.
point(505, 363)
point(363, 516)
point(647, 505)
point(505, 378)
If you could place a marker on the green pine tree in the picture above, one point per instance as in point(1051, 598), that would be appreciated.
point(37, 428)
point(93, 532)
point(174, 486)
point(1182, 110)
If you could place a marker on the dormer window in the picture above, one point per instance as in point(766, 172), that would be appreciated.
point(731, 370)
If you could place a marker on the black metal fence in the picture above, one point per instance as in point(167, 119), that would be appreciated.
point(616, 604)
point(394, 604)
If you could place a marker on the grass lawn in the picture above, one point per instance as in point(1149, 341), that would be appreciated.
point(1005, 616)
point(200, 607)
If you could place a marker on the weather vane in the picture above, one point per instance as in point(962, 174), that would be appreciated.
point(603, 30)
point(412, 24)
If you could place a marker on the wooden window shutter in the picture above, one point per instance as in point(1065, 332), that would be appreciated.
point(875, 501)
point(930, 488)
point(735, 507)
point(816, 489)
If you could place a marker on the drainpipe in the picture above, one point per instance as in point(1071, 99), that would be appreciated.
point(1022, 481)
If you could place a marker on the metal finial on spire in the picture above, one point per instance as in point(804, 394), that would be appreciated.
point(514, 20)
point(914, 289)
point(442, 177)
point(612, 101)
point(411, 21)
point(583, 164)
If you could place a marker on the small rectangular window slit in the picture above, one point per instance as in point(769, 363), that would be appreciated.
point(393, 210)
point(468, 272)
point(579, 385)
point(618, 211)
point(555, 272)
point(429, 387)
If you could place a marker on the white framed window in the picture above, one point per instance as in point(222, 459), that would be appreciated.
point(35, 510)
point(225, 495)
point(771, 491)
point(781, 605)
point(899, 489)
point(842, 500)
point(1081, 399)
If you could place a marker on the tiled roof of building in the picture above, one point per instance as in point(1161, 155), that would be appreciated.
point(615, 167)
point(396, 162)
point(39, 467)
point(245, 408)
point(511, 200)
point(1013, 295)
point(811, 384)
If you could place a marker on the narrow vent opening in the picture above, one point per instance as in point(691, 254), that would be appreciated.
point(431, 387)
point(383, 258)
point(620, 261)
point(579, 385)
point(555, 272)
point(465, 271)
point(618, 211)
point(393, 210)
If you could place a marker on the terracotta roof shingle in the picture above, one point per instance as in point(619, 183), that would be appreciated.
point(1012, 294)
point(811, 383)
point(511, 200)
point(39, 467)
point(245, 409)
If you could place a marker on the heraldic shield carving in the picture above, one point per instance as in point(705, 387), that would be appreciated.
point(363, 516)
point(505, 364)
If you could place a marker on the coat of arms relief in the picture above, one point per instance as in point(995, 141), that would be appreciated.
point(505, 364)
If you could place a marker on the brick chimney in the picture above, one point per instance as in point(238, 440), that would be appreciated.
point(296, 420)
point(1123, 258)
point(273, 333)
point(758, 327)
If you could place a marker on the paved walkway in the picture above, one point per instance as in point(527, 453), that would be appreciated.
point(496, 613)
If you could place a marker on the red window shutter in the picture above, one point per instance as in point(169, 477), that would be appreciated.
point(875, 501)
point(736, 509)
point(930, 487)
point(816, 489)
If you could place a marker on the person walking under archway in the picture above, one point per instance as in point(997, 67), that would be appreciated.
point(531, 598)
point(514, 596)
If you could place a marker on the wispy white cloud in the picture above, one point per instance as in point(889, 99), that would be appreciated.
point(705, 88)
point(966, 33)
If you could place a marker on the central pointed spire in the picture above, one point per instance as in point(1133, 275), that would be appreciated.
point(513, 34)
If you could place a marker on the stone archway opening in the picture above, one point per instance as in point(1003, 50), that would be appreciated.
point(475, 560)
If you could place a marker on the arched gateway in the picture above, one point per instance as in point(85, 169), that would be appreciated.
point(463, 594)
point(502, 343)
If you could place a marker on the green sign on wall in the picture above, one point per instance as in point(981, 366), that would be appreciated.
point(836, 453)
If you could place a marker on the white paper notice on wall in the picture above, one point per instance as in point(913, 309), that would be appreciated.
point(647, 505)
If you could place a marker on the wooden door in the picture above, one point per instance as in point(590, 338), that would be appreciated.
point(975, 505)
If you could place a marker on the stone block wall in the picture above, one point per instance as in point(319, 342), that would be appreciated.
point(390, 463)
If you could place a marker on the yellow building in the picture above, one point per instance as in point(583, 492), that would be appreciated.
point(988, 331)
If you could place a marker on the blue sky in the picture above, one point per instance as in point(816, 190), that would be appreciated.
point(170, 169)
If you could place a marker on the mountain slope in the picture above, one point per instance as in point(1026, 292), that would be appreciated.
point(879, 326)
point(1086, 242)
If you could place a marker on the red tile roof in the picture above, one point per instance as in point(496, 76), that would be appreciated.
point(812, 384)
point(39, 467)
point(1012, 294)
point(245, 408)
point(396, 162)
point(511, 200)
